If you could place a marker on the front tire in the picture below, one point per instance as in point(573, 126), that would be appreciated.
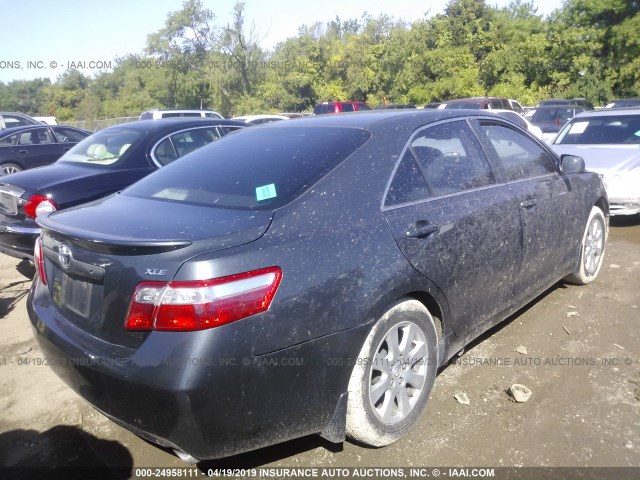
point(592, 248)
point(393, 376)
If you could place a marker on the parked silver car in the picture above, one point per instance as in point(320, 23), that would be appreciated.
point(609, 142)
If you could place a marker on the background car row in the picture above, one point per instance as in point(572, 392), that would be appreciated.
point(101, 164)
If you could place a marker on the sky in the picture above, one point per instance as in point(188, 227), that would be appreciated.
point(53, 36)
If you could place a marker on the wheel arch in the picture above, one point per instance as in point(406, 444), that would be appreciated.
point(603, 205)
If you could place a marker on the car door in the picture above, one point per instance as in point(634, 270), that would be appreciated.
point(456, 222)
point(548, 210)
point(36, 147)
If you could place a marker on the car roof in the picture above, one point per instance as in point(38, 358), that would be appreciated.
point(17, 113)
point(22, 128)
point(610, 112)
point(564, 105)
point(167, 124)
point(466, 99)
point(371, 118)
point(179, 110)
point(246, 118)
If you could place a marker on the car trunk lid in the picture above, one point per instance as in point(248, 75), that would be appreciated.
point(95, 257)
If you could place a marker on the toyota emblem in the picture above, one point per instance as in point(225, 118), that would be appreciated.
point(64, 256)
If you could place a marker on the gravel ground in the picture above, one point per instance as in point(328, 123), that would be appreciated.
point(581, 359)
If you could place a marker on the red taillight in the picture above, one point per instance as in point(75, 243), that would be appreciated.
point(38, 258)
point(39, 204)
point(186, 306)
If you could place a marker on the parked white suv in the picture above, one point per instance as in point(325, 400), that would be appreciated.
point(157, 113)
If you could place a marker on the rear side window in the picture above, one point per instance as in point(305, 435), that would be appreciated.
point(408, 183)
point(520, 156)
point(451, 158)
point(10, 140)
point(38, 136)
point(258, 169)
point(181, 143)
point(347, 107)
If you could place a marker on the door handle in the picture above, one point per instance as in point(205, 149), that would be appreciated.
point(23, 151)
point(528, 203)
point(66, 149)
point(421, 229)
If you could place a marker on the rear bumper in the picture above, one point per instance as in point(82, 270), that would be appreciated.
point(200, 392)
point(18, 241)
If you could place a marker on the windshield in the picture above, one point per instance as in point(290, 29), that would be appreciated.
point(607, 130)
point(105, 147)
point(257, 169)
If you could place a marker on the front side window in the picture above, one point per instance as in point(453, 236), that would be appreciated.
point(451, 158)
point(37, 136)
point(520, 156)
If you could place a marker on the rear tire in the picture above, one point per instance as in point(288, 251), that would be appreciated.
point(9, 168)
point(592, 248)
point(393, 376)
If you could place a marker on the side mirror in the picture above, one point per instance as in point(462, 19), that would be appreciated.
point(572, 164)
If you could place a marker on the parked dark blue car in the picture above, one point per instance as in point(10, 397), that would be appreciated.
point(32, 146)
point(307, 277)
point(106, 162)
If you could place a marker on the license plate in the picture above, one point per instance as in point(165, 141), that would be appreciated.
point(76, 295)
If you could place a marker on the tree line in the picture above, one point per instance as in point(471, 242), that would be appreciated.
point(587, 48)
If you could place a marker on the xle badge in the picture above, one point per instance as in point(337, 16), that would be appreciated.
point(155, 271)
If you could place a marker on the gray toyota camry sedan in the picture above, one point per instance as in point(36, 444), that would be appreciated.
point(307, 277)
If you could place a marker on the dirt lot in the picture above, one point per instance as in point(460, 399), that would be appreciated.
point(582, 363)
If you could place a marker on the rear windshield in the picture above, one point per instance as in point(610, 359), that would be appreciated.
point(257, 169)
point(515, 118)
point(105, 147)
point(551, 114)
point(623, 129)
point(461, 105)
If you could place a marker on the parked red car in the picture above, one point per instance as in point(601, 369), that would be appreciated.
point(339, 107)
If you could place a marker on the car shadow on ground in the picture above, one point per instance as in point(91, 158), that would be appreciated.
point(62, 452)
point(11, 295)
point(274, 453)
point(26, 269)
point(624, 220)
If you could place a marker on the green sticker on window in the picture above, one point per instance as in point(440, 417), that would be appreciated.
point(266, 192)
